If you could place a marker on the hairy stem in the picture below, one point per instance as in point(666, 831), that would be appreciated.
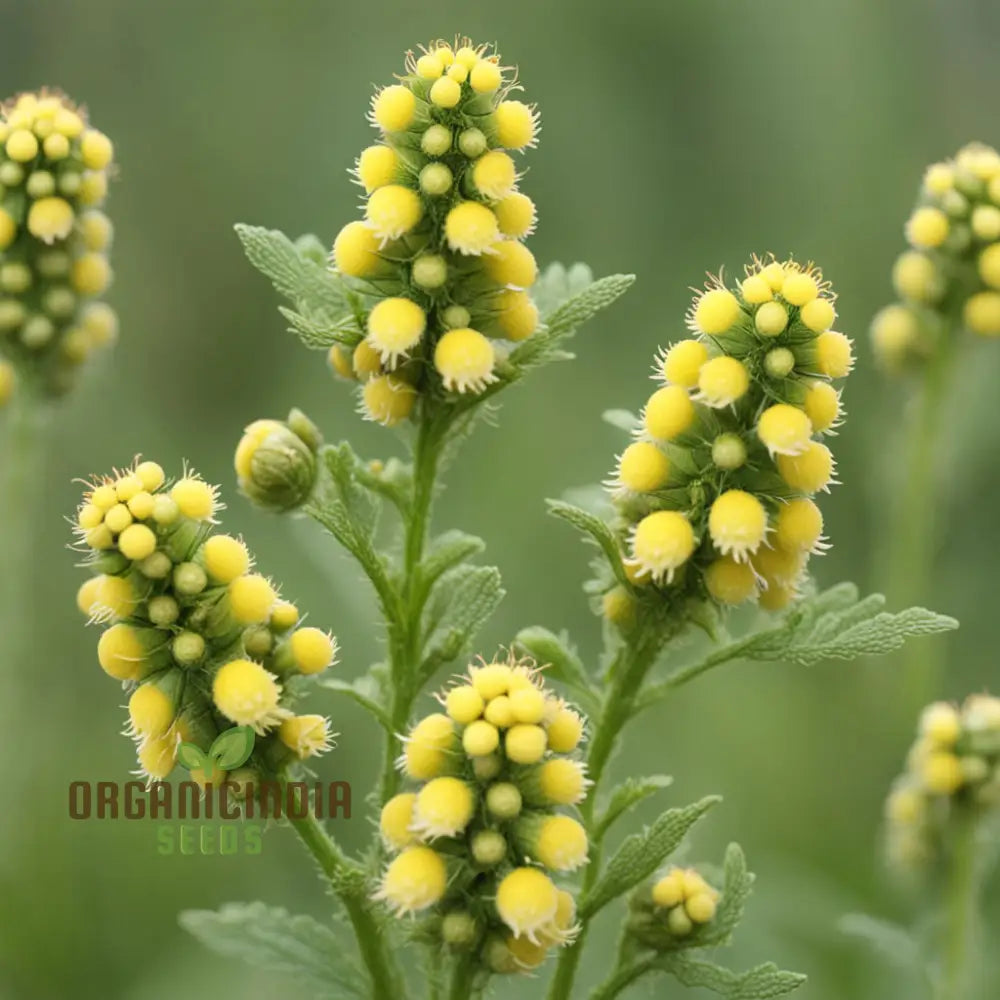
point(385, 979)
point(462, 979)
point(628, 671)
point(620, 979)
point(959, 930)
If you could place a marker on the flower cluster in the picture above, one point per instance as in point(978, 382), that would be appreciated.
point(673, 909)
point(199, 639)
point(715, 494)
point(951, 270)
point(54, 239)
point(439, 257)
point(491, 816)
point(954, 764)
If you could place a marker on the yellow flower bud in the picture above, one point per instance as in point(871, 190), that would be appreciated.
point(464, 359)
point(395, 326)
point(377, 166)
point(526, 901)
point(394, 108)
point(661, 543)
point(784, 429)
point(668, 413)
point(729, 581)
point(312, 649)
point(516, 124)
point(226, 558)
point(396, 820)
point(515, 214)
point(95, 149)
point(737, 523)
point(306, 735)
point(682, 363)
point(443, 808)
point(393, 211)
point(716, 311)
point(722, 381)
point(415, 880)
point(356, 251)
point(50, 219)
point(245, 693)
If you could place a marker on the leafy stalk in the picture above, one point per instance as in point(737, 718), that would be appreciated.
point(960, 910)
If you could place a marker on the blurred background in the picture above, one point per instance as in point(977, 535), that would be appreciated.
point(678, 137)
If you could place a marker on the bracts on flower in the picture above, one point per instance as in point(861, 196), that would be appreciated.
point(438, 261)
point(490, 819)
point(54, 240)
point(715, 495)
point(200, 641)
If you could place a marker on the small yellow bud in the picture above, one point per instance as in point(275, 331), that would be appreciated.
point(927, 228)
point(810, 471)
point(822, 406)
point(377, 166)
point(895, 333)
point(158, 755)
point(485, 77)
point(525, 744)
point(834, 356)
point(395, 325)
point(527, 704)
point(356, 251)
point(722, 381)
point(393, 211)
point(226, 558)
point(151, 710)
point(756, 290)
point(429, 67)
point(511, 263)
point(561, 844)
point(526, 901)
point(464, 359)
point(515, 215)
point(119, 650)
point(444, 808)
point(981, 313)
point(989, 265)
point(661, 543)
point(388, 400)
point(395, 821)
point(669, 413)
point(494, 174)
point(562, 781)
point(939, 178)
point(716, 311)
point(737, 523)
point(784, 429)
point(700, 907)
point(427, 747)
point(771, 319)
point(986, 222)
point(565, 731)
point(21, 145)
point(729, 581)
point(446, 92)
point(464, 704)
point(668, 891)
point(798, 525)
point(50, 219)
point(518, 315)
point(480, 738)
point(415, 880)
point(313, 650)
point(643, 468)
point(394, 108)
point(492, 680)
point(194, 498)
point(245, 693)
point(941, 773)
point(818, 315)
point(516, 124)
point(683, 361)
point(137, 541)
point(941, 724)
point(799, 288)
point(95, 150)
point(471, 228)
point(251, 598)
point(306, 735)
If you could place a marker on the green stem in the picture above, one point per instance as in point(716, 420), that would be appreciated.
point(627, 673)
point(462, 979)
point(620, 980)
point(405, 645)
point(960, 911)
point(385, 980)
point(915, 539)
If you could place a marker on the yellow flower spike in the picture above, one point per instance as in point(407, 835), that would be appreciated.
point(784, 429)
point(682, 362)
point(729, 581)
point(526, 901)
point(225, 558)
point(494, 174)
point(251, 598)
point(643, 468)
point(312, 649)
point(798, 526)
point(716, 311)
point(393, 211)
point(356, 251)
point(96, 150)
point(306, 735)
point(834, 355)
point(927, 228)
point(136, 542)
point(377, 166)
point(415, 880)
point(810, 471)
point(426, 750)
point(737, 523)
point(668, 413)
point(771, 319)
point(511, 263)
point(516, 125)
point(464, 359)
point(388, 400)
point(822, 406)
point(120, 650)
point(981, 313)
point(443, 808)
point(722, 381)
point(518, 314)
point(515, 214)
point(446, 92)
point(799, 288)
point(395, 821)
point(941, 724)
point(50, 219)
point(485, 77)
point(755, 290)
point(565, 731)
point(464, 704)
point(561, 844)
point(562, 782)
point(661, 543)
point(246, 694)
point(941, 773)
point(394, 108)
point(525, 744)
point(395, 326)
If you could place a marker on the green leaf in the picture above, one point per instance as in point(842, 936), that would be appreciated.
point(642, 853)
point(565, 319)
point(446, 551)
point(321, 313)
point(556, 653)
point(316, 956)
point(893, 943)
point(365, 691)
point(598, 531)
point(232, 747)
point(557, 283)
point(628, 794)
point(360, 505)
point(736, 887)
point(192, 757)
point(758, 983)
point(624, 420)
point(460, 605)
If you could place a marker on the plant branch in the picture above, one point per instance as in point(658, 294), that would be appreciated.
point(958, 944)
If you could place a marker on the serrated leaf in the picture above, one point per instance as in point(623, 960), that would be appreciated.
point(360, 505)
point(446, 551)
point(318, 333)
point(624, 420)
point(737, 885)
point(593, 526)
point(628, 795)
point(557, 653)
point(462, 602)
point(893, 943)
point(271, 938)
point(232, 747)
point(758, 983)
point(558, 283)
point(642, 853)
point(365, 692)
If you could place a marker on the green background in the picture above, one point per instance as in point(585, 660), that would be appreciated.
point(677, 137)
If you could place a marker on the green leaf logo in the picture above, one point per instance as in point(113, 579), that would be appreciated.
point(229, 750)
